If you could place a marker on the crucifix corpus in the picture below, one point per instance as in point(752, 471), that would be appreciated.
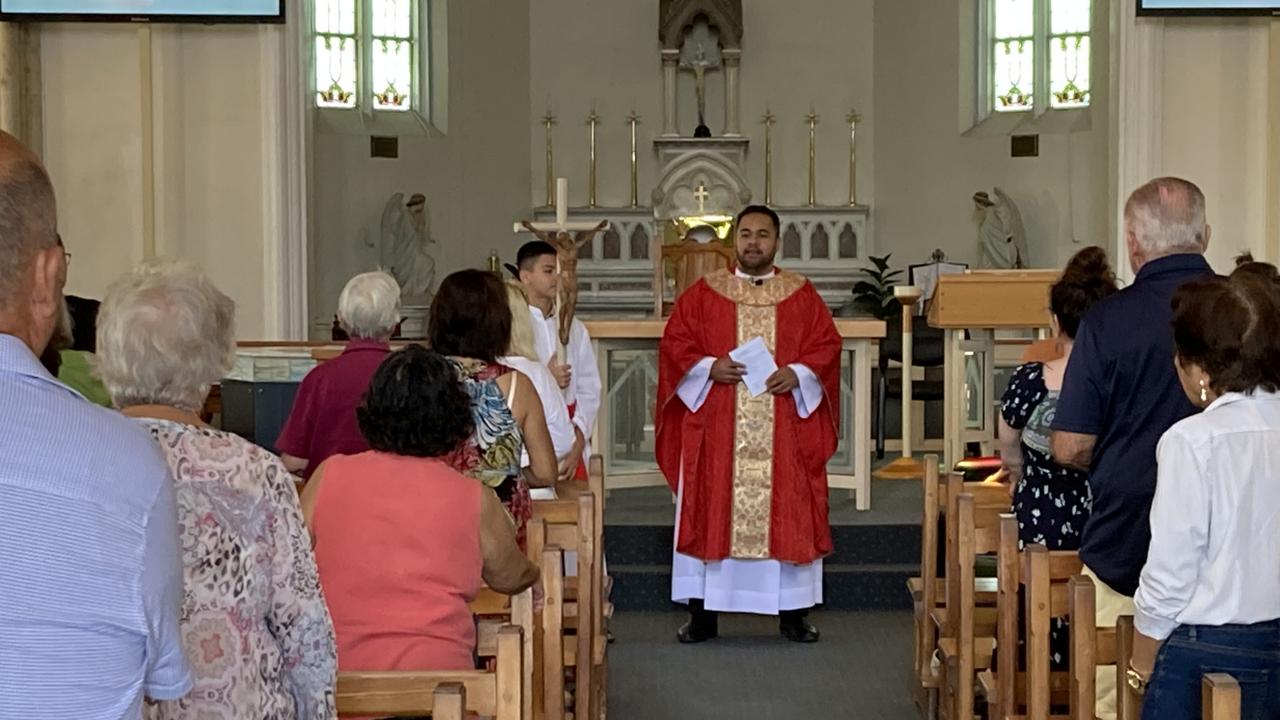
point(567, 245)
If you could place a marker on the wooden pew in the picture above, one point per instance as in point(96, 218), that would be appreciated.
point(1220, 697)
point(970, 638)
point(1006, 688)
point(941, 618)
point(925, 589)
point(409, 693)
point(1093, 646)
point(571, 525)
point(494, 610)
point(1046, 579)
point(599, 634)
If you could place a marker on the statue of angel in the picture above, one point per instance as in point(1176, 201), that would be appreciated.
point(1002, 238)
point(404, 252)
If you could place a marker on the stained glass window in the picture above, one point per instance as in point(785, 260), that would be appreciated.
point(1069, 53)
point(366, 53)
point(337, 51)
point(1039, 53)
point(1013, 54)
point(392, 51)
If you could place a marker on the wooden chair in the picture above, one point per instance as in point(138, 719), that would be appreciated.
point(969, 639)
point(410, 693)
point(690, 261)
point(1220, 697)
point(1091, 647)
point(571, 525)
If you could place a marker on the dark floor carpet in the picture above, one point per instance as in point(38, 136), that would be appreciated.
point(860, 669)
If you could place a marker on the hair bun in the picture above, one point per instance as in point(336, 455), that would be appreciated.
point(1088, 264)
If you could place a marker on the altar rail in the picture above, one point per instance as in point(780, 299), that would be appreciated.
point(615, 271)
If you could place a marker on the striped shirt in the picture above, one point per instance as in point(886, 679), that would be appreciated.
point(90, 575)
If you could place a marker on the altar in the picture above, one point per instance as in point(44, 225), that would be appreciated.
point(627, 353)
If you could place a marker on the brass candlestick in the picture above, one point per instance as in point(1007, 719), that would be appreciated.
point(592, 120)
point(633, 119)
point(768, 120)
point(852, 118)
point(812, 117)
point(548, 121)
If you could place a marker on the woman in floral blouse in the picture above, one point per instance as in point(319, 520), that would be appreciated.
point(254, 624)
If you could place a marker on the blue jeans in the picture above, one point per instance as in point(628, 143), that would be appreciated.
point(1249, 653)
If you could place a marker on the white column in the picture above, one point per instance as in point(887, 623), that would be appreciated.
point(20, 96)
point(669, 60)
point(732, 60)
point(1137, 105)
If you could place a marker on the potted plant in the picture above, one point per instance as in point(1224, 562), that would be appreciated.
point(873, 292)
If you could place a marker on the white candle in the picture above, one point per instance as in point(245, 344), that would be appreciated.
point(562, 201)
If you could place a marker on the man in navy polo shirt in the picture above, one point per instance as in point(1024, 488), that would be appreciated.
point(1121, 393)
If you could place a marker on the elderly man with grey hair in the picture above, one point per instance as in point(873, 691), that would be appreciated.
point(253, 621)
point(323, 419)
point(1121, 393)
point(90, 580)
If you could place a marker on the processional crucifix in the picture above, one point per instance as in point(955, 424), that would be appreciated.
point(557, 235)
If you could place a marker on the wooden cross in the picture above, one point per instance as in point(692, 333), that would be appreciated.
point(557, 234)
point(701, 194)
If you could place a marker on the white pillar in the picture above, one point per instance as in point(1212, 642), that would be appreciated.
point(20, 96)
point(732, 60)
point(669, 60)
point(1137, 109)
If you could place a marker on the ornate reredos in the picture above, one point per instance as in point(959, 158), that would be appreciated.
point(677, 16)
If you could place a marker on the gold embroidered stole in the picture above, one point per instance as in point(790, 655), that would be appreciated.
point(757, 315)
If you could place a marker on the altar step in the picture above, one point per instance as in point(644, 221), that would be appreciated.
point(867, 571)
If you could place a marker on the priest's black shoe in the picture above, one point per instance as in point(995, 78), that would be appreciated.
point(795, 628)
point(703, 625)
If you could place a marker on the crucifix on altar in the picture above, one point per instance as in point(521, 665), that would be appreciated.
point(557, 234)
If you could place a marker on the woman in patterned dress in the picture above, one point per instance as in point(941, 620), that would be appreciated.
point(254, 624)
point(1050, 501)
point(471, 324)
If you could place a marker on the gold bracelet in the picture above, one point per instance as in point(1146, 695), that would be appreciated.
point(1135, 680)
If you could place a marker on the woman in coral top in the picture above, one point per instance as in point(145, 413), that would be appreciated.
point(403, 542)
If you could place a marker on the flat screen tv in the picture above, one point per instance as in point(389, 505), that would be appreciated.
point(1209, 7)
point(196, 11)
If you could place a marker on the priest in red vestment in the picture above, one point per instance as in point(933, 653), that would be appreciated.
point(749, 469)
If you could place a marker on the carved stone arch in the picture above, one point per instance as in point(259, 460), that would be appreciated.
point(677, 16)
point(673, 196)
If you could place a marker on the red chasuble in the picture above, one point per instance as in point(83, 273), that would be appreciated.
point(755, 473)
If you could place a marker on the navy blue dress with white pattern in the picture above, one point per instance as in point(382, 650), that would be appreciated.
point(1050, 501)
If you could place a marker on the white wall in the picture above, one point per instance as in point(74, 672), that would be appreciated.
point(1215, 125)
point(795, 55)
point(475, 177)
point(208, 115)
point(926, 170)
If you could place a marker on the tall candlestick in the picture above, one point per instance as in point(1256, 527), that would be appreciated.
point(768, 121)
point(592, 120)
point(812, 117)
point(852, 118)
point(633, 119)
point(548, 121)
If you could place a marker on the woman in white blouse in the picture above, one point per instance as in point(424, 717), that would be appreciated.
point(1209, 595)
point(523, 356)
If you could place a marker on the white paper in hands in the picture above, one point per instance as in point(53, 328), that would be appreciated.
point(760, 364)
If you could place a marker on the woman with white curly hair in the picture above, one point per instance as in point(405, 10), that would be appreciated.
point(254, 624)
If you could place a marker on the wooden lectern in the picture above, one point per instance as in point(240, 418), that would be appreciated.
point(980, 302)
